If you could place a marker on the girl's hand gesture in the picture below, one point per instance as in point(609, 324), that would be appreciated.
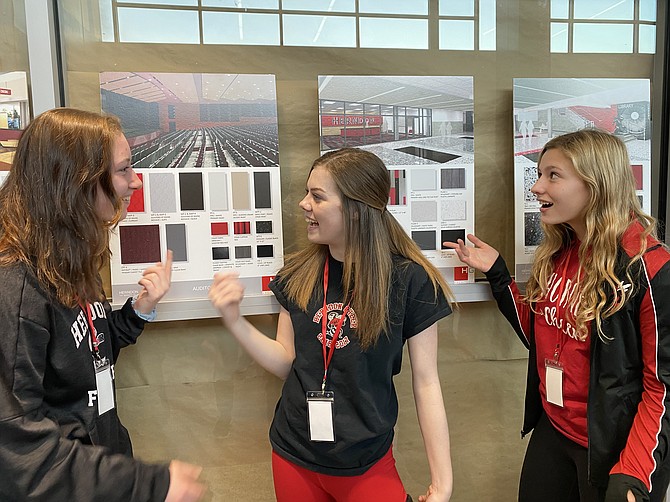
point(481, 256)
point(155, 283)
point(226, 294)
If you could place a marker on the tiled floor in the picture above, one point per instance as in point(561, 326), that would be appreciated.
point(187, 391)
point(459, 146)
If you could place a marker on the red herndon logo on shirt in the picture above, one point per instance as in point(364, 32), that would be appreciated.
point(559, 302)
point(334, 315)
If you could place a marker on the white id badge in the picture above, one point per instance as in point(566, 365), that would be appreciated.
point(554, 382)
point(103, 383)
point(320, 415)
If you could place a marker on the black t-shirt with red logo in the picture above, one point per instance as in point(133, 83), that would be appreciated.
point(366, 404)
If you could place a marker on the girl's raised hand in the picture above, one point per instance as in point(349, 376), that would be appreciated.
point(226, 294)
point(481, 256)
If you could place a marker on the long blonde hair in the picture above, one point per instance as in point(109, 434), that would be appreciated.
point(372, 237)
point(47, 204)
point(601, 161)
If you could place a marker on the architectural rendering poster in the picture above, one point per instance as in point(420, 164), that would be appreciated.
point(14, 114)
point(423, 130)
point(548, 107)
point(206, 148)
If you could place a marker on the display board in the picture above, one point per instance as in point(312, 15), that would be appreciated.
point(548, 107)
point(423, 130)
point(206, 149)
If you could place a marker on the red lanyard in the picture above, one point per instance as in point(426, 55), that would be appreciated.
point(91, 328)
point(324, 326)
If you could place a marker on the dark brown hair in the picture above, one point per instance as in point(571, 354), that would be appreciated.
point(48, 219)
point(372, 237)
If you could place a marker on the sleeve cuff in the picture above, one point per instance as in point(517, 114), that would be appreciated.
point(151, 316)
point(618, 487)
point(498, 275)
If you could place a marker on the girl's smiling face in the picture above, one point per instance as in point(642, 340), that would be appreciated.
point(124, 180)
point(322, 206)
point(563, 195)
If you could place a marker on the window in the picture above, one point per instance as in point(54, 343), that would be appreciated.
point(350, 124)
point(240, 28)
point(379, 32)
point(463, 24)
point(467, 25)
point(603, 26)
point(319, 31)
point(158, 25)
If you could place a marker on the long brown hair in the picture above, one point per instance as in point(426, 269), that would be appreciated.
point(47, 204)
point(372, 237)
point(601, 160)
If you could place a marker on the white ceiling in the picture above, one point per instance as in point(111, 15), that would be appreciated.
point(538, 93)
point(436, 92)
point(422, 92)
point(190, 87)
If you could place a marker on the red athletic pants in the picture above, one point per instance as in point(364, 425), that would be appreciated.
point(297, 484)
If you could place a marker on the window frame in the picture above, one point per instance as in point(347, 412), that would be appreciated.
point(432, 28)
point(573, 22)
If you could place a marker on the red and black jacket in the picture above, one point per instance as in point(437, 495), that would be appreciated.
point(628, 400)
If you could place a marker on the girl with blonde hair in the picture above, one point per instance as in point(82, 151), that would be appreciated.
point(596, 320)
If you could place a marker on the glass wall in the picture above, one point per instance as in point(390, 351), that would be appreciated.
point(346, 124)
point(14, 72)
point(13, 39)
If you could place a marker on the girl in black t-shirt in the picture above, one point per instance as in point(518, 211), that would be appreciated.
point(349, 301)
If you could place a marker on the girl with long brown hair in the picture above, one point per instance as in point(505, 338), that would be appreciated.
point(60, 436)
point(349, 302)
